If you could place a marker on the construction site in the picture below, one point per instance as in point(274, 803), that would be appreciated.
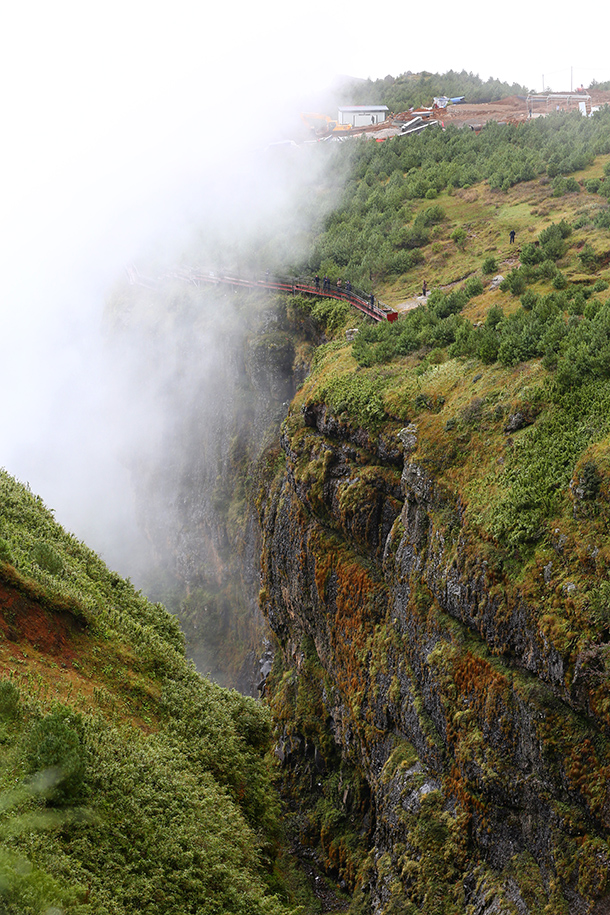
point(367, 121)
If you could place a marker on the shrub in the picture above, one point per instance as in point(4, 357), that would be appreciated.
point(430, 216)
point(488, 345)
point(583, 220)
point(588, 257)
point(577, 303)
point(552, 241)
point(559, 281)
point(5, 552)
point(590, 481)
point(54, 754)
point(515, 282)
point(547, 269)
point(9, 701)
point(331, 313)
point(441, 306)
point(459, 236)
point(414, 236)
point(473, 287)
point(563, 186)
point(600, 285)
point(465, 343)
point(48, 558)
point(602, 218)
point(495, 316)
point(437, 356)
point(489, 265)
point(529, 300)
point(531, 254)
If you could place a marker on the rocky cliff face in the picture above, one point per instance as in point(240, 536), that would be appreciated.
point(443, 753)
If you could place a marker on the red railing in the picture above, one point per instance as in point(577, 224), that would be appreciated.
point(355, 297)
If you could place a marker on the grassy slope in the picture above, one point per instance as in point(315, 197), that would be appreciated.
point(461, 406)
point(488, 216)
point(126, 781)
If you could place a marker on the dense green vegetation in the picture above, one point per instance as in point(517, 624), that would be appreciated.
point(127, 782)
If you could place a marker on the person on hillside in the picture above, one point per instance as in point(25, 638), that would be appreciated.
point(424, 291)
point(512, 236)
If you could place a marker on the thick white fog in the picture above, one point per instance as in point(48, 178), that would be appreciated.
point(121, 127)
point(127, 124)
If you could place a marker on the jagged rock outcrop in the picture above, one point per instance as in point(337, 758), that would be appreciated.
point(483, 752)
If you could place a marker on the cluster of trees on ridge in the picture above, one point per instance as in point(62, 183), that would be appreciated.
point(412, 90)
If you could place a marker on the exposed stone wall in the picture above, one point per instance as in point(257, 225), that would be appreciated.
point(437, 687)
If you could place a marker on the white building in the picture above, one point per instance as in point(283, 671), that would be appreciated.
point(363, 115)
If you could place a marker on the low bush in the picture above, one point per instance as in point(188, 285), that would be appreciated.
point(588, 257)
point(459, 236)
point(54, 756)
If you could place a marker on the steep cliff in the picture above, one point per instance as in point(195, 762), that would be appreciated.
point(441, 615)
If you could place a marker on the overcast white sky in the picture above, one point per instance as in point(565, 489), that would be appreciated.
point(111, 111)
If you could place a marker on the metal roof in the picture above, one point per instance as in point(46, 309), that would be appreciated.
point(361, 108)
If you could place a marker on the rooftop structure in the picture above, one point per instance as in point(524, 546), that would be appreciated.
point(363, 115)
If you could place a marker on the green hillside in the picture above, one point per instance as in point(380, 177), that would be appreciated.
point(127, 782)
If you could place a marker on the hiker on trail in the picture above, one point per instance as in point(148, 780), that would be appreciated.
point(372, 300)
point(348, 286)
point(317, 281)
point(424, 291)
point(512, 236)
point(339, 283)
point(326, 284)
